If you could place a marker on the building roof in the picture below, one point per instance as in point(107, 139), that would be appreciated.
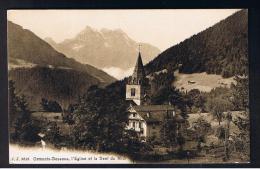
point(158, 113)
point(130, 102)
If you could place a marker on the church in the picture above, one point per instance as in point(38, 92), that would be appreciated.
point(144, 118)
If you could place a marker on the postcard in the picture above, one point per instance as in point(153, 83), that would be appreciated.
point(129, 86)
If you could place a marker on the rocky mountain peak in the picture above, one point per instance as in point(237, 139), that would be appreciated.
point(105, 48)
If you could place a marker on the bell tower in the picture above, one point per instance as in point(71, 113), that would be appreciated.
point(134, 88)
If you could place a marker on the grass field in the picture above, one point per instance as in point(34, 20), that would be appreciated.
point(202, 81)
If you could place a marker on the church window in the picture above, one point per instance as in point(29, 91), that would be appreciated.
point(133, 124)
point(134, 114)
point(133, 92)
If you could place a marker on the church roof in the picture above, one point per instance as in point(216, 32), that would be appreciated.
point(139, 72)
point(130, 102)
point(157, 113)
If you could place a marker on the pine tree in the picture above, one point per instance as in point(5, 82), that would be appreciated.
point(240, 92)
point(240, 100)
point(23, 130)
point(12, 104)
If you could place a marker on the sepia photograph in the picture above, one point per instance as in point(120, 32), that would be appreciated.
point(128, 86)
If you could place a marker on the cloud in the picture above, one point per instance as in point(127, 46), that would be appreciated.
point(118, 73)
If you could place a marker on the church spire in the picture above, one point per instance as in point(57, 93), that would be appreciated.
point(139, 73)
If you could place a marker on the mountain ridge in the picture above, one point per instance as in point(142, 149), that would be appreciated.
point(24, 44)
point(104, 48)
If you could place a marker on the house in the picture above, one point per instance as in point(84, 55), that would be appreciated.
point(144, 118)
point(191, 82)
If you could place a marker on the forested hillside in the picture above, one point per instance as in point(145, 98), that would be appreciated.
point(62, 85)
point(220, 49)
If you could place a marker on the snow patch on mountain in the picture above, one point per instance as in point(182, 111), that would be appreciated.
point(77, 47)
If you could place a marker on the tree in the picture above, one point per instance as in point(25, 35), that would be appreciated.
point(202, 128)
point(13, 110)
point(53, 133)
point(132, 145)
point(162, 79)
point(51, 106)
point(240, 94)
point(221, 133)
point(169, 94)
point(242, 139)
point(218, 106)
point(172, 132)
point(23, 128)
point(196, 98)
point(169, 132)
point(100, 118)
point(228, 118)
point(67, 116)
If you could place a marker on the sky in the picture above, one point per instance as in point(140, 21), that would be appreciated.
point(161, 28)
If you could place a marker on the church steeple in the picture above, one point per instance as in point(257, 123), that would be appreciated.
point(135, 87)
point(139, 73)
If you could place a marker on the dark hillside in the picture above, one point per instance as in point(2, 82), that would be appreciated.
point(220, 49)
point(61, 85)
